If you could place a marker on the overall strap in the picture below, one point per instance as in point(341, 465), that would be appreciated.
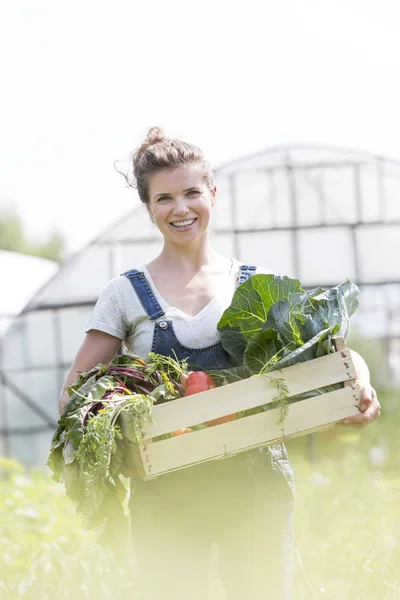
point(246, 271)
point(144, 293)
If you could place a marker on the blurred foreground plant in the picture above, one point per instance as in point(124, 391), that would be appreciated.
point(44, 552)
point(347, 525)
point(347, 520)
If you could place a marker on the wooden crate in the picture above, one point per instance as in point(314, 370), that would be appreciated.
point(153, 458)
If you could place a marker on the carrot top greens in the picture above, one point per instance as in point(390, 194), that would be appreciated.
point(87, 449)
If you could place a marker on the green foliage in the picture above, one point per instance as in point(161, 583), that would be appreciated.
point(14, 239)
point(272, 322)
point(346, 518)
point(44, 551)
point(11, 232)
point(53, 248)
point(249, 309)
point(87, 449)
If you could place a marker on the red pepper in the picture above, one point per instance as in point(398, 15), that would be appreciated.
point(181, 431)
point(197, 382)
point(220, 420)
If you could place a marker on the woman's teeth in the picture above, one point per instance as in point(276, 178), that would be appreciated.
point(183, 223)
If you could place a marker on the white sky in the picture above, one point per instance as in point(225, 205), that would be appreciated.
point(81, 81)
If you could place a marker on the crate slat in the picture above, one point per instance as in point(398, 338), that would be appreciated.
point(249, 393)
point(304, 416)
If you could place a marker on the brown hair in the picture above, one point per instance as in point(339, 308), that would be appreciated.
point(159, 152)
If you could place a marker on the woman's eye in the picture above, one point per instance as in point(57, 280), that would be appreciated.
point(192, 192)
point(162, 198)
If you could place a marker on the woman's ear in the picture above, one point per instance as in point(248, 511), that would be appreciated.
point(213, 195)
point(150, 213)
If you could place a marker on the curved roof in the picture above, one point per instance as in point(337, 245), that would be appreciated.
point(310, 153)
point(277, 190)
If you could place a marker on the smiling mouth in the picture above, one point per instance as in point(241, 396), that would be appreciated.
point(183, 224)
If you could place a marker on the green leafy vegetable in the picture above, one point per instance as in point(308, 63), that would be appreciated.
point(87, 450)
point(273, 323)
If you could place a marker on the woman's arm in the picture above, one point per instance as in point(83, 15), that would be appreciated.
point(97, 347)
point(370, 409)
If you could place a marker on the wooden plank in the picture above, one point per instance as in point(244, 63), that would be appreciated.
point(249, 393)
point(340, 346)
point(250, 432)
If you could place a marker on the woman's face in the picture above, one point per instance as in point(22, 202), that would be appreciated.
point(180, 202)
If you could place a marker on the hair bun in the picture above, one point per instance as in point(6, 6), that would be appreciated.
point(155, 135)
point(159, 152)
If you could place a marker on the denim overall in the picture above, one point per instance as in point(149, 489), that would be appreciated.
point(242, 503)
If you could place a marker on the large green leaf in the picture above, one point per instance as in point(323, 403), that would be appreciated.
point(249, 310)
point(273, 323)
point(336, 305)
point(263, 349)
point(309, 350)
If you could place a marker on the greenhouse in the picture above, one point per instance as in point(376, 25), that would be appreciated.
point(319, 214)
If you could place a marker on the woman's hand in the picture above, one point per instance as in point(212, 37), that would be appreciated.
point(370, 409)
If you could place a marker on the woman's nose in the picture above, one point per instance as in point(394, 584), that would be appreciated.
point(180, 206)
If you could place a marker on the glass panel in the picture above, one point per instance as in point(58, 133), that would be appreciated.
point(72, 331)
point(133, 257)
point(370, 193)
point(325, 256)
point(13, 355)
point(42, 386)
point(31, 450)
point(40, 338)
point(309, 196)
point(18, 414)
point(223, 243)
point(82, 278)
point(222, 213)
point(272, 250)
point(134, 226)
point(370, 323)
point(251, 200)
point(279, 199)
point(379, 249)
point(391, 192)
point(339, 196)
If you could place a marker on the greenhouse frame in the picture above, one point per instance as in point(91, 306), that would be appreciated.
point(319, 214)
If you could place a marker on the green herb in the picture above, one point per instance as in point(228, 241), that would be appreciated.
point(87, 450)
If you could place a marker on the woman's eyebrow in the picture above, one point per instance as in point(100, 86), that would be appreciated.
point(194, 187)
point(162, 194)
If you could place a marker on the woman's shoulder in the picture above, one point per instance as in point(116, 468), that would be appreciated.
point(120, 285)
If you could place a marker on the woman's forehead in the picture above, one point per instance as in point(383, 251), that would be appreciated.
point(175, 180)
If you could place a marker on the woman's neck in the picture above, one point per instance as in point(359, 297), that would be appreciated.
point(193, 258)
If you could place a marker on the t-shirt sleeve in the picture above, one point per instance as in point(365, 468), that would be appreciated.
point(107, 314)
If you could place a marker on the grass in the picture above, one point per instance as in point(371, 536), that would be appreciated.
point(346, 521)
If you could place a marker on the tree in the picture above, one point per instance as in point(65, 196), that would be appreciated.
point(12, 236)
point(14, 239)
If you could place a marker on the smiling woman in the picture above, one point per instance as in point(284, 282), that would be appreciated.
point(172, 306)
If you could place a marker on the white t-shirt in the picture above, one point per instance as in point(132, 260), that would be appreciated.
point(120, 313)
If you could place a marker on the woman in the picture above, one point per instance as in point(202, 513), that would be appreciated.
point(172, 306)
